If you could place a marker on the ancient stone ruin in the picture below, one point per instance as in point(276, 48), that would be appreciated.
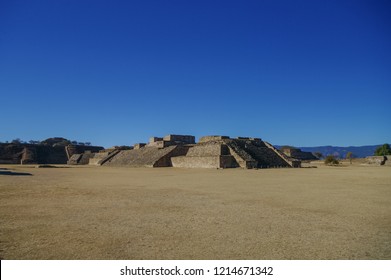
point(46, 153)
point(168, 151)
point(297, 153)
point(378, 160)
point(182, 151)
point(157, 153)
point(224, 152)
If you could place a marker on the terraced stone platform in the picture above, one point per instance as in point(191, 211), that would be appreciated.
point(211, 154)
point(181, 151)
point(223, 152)
point(147, 156)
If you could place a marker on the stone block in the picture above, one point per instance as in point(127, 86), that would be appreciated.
point(378, 160)
point(138, 146)
point(182, 139)
point(208, 149)
point(204, 162)
point(155, 139)
point(212, 138)
point(160, 144)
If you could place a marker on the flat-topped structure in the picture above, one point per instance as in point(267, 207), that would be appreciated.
point(224, 152)
point(298, 153)
point(157, 153)
point(170, 140)
point(22, 153)
point(180, 139)
point(147, 156)
point(181, 151)
point(212, 138)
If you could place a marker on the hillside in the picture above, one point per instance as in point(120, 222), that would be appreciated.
point(358, 151)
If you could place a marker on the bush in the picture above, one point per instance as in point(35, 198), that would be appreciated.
point(329, 160)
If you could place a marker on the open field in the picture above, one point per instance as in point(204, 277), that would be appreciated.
point(89, 212)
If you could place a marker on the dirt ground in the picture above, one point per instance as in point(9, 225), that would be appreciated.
point(165, 213)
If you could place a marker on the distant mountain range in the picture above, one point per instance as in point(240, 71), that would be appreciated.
point(340, 152)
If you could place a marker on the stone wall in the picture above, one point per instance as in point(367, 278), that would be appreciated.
point(298, 154)
point(212, 138)
point(29, 155)
point(160, 144)
point(180, 139)
point(51, 155)
point(138, 145)
point(11, 153)
point(204, 162)
point(78, 149)
point(82, 155)
point(228, 162)
point(170, 140)
point(40, 154)
point(155, 139)
point(379, 160)
point(212, 148)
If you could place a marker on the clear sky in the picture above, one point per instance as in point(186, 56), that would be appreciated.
point(303, 73)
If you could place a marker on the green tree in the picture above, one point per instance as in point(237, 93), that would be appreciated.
point(349, 156)
point(383, 150)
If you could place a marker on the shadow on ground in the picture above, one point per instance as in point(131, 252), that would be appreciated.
point(5, 171)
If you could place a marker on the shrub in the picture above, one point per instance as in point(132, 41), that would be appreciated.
point(330, 159)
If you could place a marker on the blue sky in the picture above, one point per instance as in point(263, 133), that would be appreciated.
point(303, 73)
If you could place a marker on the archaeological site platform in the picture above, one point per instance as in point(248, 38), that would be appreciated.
point(183, 152)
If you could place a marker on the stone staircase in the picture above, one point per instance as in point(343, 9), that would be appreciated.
point(243, 159)
point(292, 162)
point(102, 157)
point(266, 157)
point(74, 159)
